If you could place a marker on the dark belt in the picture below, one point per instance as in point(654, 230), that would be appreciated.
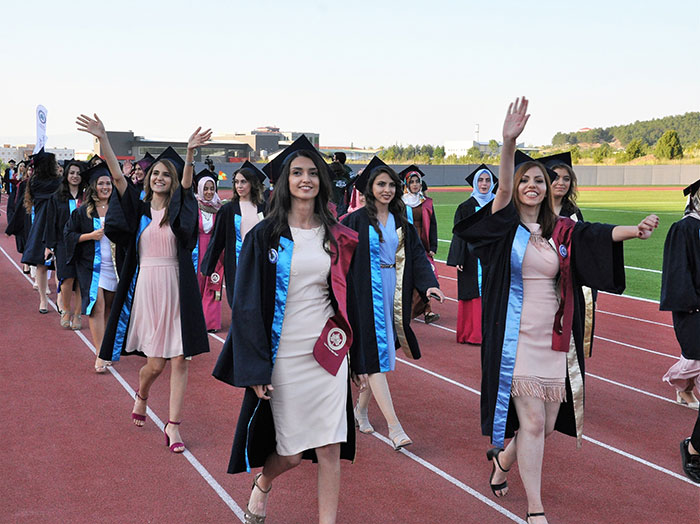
point(386, 266)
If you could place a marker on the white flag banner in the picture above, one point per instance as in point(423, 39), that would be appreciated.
point(40, 128)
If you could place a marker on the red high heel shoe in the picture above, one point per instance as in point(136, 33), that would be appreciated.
point(135, 417)
point(175, 447)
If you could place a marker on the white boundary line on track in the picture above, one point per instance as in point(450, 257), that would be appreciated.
point(674, 357)
point(606, 446)
point(657, 271)
point(633, 318)
point(204, 473)
point(461, 485)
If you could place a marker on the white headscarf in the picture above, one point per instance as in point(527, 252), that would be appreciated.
point(412, 199)
point(213, 205)
point(482, 198)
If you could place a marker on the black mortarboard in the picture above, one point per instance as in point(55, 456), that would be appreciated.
point(74, 162)
point(470, 177)
point(361, 180)
point(177, 160)
point(249, 165)
point(555, 160)
point(403, 175)
point(692, 188)
point(273, 169)
point(11, 161)
point(95, 172)
point(205, 173)
point(521, 158)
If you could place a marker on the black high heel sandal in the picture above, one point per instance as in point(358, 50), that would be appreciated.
point(490, 455)
point(528, 515)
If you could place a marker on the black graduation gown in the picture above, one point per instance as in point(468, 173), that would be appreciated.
point(680, 283)
point(468, 281)
point(413, 271)
point(19, 223)
point(83, 257)
point(59, 213)
point(246, 358)
point(499, 240)
point(126, 218)
point(42, 192)
point(226, 237)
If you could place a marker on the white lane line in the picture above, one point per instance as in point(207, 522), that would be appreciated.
point(630, 297)
point(603, 292)
point(461, 485)
point(644, 269)
point(223, 495)
point(606, 446)
point(674, 357)
point(653, 395)
point(633, 318)
point(427, 464)
point(640, 460)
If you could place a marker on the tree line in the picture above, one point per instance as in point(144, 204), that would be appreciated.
point(687, 127)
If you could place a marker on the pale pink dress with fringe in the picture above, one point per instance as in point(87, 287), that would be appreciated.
point(539, 371)
point(154, 328)
point(684, 375)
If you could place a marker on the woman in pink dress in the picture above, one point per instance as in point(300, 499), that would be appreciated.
point(209, 286)
point(535, 263)
point(157, 310)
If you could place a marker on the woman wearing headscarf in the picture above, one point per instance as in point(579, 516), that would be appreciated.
point(421, 213)
point(680, 294)
point(209, 205)
point(469, 270)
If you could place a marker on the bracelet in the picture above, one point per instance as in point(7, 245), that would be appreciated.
point(192, 163)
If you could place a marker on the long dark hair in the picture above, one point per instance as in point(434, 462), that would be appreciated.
point(281, 202)
point(63, 191)
point(256, 188)
point(572, 193)
point(546, 217)
point(174, 185)
point(44, 168)
point(396, 206)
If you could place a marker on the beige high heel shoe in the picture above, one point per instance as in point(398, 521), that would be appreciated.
point(398, 437)
point(250, 517)
point(362, 421)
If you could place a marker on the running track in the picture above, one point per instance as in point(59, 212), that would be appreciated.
point(71, 454)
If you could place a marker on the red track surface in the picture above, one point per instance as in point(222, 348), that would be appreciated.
point(71, 454)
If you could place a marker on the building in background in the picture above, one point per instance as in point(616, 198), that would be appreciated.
point(24, 151)
point(355, 155)
point(128, 146)
point(265, 141)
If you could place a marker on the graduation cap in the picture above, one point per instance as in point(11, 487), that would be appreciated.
point(249, 165)
point(556, 160)
point(273, 169)
point(521, 158)
point(361, 180)
point(93, 173)
point(171, 155)
point(146, 161)
point(96, 157)
point(411, 171)
point(692, 188)
point(475, 174)
point(73, 162)
point(205, 173)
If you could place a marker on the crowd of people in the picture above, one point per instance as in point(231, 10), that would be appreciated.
point(324, 272)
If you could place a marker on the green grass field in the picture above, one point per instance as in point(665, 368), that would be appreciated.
point(613, 207)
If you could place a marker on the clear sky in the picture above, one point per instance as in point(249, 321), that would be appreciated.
point(368, 72)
